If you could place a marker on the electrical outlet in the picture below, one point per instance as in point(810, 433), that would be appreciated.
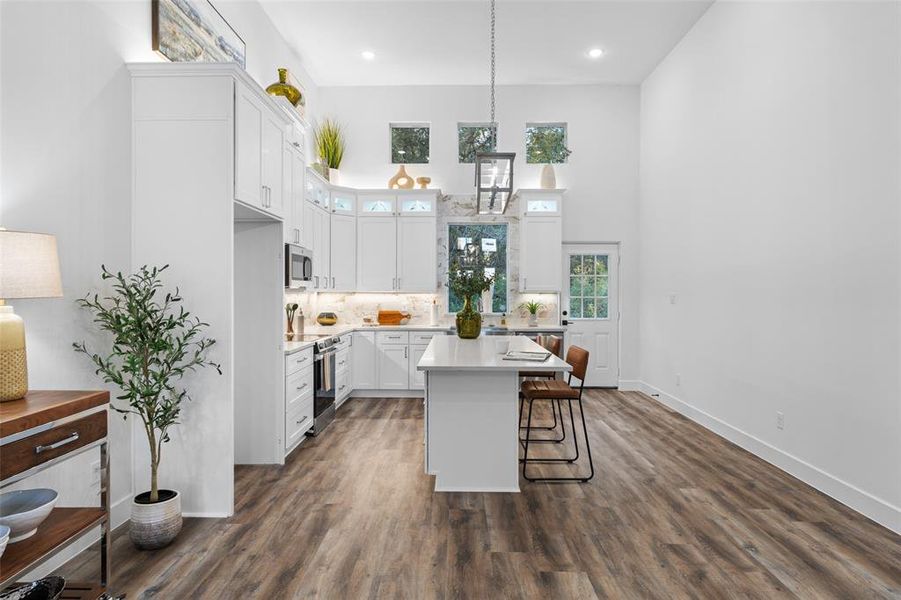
point(95, 473)
point(672, 298)
point(780, 420)
point(678, 379)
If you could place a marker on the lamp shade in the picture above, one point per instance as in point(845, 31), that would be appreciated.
point(29, 265)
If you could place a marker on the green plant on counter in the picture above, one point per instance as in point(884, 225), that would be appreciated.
point(532, 307)
point(330, 143)
point(156, 342)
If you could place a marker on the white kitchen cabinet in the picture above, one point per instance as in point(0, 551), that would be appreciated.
point(393, 362)
point(273, 165)
point(363, 358)
point(377, 254)
point(343, 255)
point(541, 254)
point(417, 255)
point(294, 194)
point(416, 378)
point(308, 209)
point(376, 204)
point(248, 147)
point(298, 397)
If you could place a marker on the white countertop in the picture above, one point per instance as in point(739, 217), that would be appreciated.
point(485, 353)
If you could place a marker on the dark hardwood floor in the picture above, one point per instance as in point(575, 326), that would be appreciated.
point(673, 512)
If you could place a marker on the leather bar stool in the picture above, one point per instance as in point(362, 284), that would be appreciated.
point(557, 390)
point(552, 344)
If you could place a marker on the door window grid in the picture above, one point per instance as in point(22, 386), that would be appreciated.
point(588, 286)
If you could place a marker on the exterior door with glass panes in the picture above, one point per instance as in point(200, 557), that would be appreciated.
point(590, 299)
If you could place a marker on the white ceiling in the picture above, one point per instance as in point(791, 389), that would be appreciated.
point(439, 42)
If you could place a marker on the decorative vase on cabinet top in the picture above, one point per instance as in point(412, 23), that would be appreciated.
point(548, 177)
point(423, 182)
point(283, 88)
point(401, 181)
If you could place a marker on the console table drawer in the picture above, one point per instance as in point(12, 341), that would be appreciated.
point(37, 449)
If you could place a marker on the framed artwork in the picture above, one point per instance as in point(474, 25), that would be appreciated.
point(194, 31)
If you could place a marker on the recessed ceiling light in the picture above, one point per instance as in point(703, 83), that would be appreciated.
point(595, 53)
point(368, 55)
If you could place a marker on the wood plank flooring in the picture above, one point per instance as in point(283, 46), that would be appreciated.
point(673, 512)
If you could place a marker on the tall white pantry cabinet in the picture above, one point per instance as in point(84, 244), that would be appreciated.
point(211, 186)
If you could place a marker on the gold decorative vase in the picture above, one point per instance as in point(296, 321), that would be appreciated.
point(283, 88)
point(469, 321)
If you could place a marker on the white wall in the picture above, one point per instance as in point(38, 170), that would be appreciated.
point(65, 149)
point(601, 175)
point(770, 208)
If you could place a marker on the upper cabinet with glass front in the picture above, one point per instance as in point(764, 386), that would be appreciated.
point(541, 203)
point(417, 204)
point(317, 190)
point(376, 204)
point(343, 202)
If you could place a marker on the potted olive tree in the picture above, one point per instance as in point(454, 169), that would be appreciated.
point(155, 342)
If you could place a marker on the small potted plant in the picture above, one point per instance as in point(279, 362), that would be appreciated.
point(155, 343)
point(532, 307)
point(330, 147)
point(468, 282)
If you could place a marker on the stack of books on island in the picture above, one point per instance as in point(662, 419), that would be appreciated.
point(533, 356)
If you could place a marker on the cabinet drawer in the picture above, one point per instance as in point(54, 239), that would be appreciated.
point(392, 338)
point(298, 360)
point(421, 337)
point(45, 446)
point(298, 384)
point(342, 360)
point(298, 421)
point(342, 384)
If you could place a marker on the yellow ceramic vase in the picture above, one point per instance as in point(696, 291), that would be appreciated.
point(13, 366)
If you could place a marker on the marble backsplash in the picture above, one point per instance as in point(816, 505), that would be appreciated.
point(353, 307)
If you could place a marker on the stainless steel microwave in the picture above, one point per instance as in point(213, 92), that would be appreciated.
point(298, 266)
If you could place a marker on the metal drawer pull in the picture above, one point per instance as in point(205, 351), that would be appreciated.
point(67, 440)
point(300, 387)
point(304, 359)
point(302, 419)
point(342, 362)
point(343, 386)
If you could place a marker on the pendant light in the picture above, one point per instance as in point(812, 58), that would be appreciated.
point(494, 170)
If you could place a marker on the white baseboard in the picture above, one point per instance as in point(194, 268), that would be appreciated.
point(863, 502)
point(387, 394)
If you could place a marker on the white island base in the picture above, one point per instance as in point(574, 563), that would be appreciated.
point(472, 411)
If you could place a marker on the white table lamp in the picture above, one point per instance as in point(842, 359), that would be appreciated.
point(29, 268)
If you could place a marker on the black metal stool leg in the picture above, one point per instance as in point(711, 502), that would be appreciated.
point(587, 444)
point(555, 408)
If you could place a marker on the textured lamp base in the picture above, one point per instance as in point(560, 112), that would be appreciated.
point(13, 365)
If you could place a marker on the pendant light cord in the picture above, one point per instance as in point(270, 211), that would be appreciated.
point(492, 101)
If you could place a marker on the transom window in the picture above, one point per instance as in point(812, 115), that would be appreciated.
point(409, 143)
point(546, 143)
point(588, 286)
point(490, 240)
point(473, 138)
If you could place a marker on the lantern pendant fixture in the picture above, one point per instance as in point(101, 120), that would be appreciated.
point(494, 170)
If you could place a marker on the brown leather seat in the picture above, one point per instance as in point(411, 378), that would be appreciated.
point(551, 389)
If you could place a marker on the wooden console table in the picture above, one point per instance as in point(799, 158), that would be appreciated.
point(43, 429)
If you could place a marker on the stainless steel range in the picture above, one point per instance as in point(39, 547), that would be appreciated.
point(323, 380)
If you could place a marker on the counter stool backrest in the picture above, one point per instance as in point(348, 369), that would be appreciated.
point(578, 360)
point(551, 343)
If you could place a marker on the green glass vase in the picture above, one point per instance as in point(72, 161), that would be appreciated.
point(469, 321)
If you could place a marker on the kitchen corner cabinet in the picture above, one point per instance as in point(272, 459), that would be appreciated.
point(343, 255)
point(541, 241)
point(417, 254)
point(377, 254)
point(363, 353)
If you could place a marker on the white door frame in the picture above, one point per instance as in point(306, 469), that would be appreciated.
point(619, 295)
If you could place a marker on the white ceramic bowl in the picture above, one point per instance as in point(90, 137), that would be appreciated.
point(4, 537)
point(23, 510)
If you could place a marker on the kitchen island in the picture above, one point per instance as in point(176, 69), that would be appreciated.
point(472, 411)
